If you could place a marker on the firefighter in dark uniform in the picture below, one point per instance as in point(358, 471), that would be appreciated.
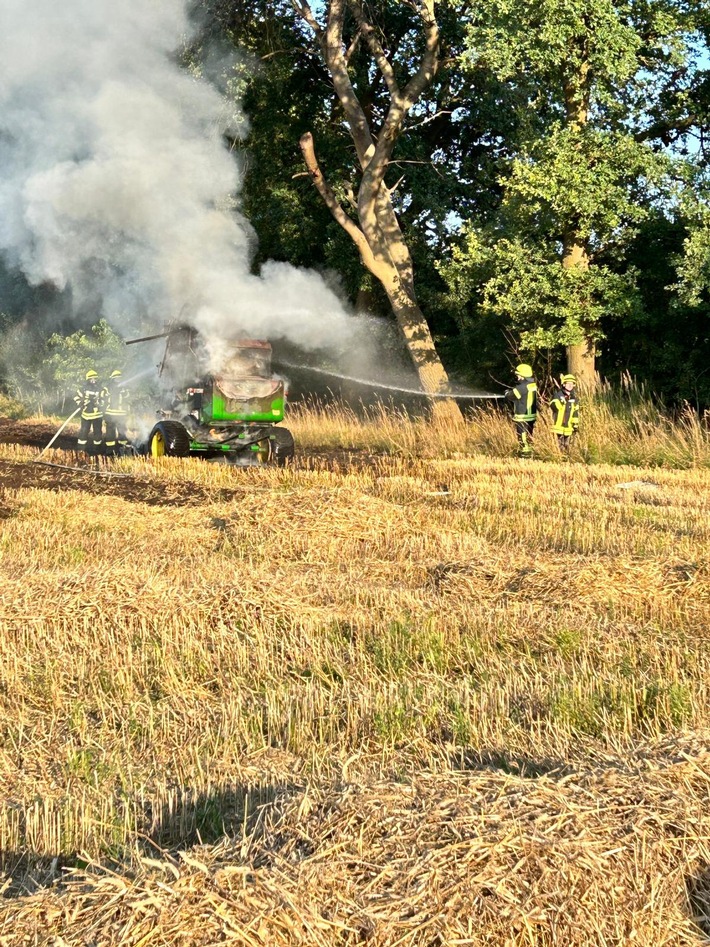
point(565, 412)
point(524, 400)
point(90, 400)
point(116, 398)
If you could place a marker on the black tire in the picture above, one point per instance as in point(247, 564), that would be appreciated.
point(282, 446)
point(169, 439)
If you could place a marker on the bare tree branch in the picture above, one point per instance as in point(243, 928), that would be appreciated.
point(338, 68)
point(378, 53)
point(391, 190)
point(353, 46)
point(331, 201)
point(430, 118)
point(430, 59)
point(303, 9)
point(664, 130)
point(379, 238)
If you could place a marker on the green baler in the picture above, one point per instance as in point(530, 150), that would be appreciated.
point(233, 412)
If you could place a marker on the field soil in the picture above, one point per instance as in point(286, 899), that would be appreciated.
point(93, 475)
point(371, 698)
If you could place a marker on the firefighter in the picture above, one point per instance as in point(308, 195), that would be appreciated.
point(116, 397)
point(565, 412)
point(90, 400)
point(524, 400)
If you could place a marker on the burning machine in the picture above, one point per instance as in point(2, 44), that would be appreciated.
point(233, 411)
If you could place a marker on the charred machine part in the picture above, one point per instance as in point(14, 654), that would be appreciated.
point(233, 412)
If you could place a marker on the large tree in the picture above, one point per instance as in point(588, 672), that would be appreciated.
point(348, 37)
point(444, 165)
point(603, 82)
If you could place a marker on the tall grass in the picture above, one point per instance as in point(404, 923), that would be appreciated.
point(618, 426)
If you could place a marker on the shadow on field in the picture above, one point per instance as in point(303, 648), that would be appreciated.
point(178, 821)
point(187, 818)
point(501, 761)
point(698, 889)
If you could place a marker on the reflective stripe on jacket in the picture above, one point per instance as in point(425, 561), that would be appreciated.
point(117, 399)
point(524, 400)
point(91, 403)
point(565, 412)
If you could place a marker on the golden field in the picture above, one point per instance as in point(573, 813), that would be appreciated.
point(402, 692)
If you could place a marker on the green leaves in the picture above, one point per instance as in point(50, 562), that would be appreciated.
point(72, 356)
point(554, 43)
point(587, 179)
point(693, 286)
point(586, 170)
point(544, 303)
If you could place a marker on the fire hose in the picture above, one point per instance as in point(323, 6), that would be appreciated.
point(46, 463)
point(58, 432)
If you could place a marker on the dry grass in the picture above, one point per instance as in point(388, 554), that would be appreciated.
point(617, 428)
point(419, 700)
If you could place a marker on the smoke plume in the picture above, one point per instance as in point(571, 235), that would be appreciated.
point(115, 182)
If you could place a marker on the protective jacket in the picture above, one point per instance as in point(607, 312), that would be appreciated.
point(524, 400)
point(90, 400)
point(565, 412)
point(116, 398)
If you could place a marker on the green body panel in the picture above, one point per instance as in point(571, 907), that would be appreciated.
point(252, 409)
point(218, 407)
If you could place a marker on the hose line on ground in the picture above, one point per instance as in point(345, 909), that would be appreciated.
point(89, 470)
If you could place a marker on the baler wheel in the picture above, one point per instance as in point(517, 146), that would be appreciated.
point(169, 439)
point(282, 446)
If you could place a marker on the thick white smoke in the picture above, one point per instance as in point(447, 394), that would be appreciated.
point(115, 182)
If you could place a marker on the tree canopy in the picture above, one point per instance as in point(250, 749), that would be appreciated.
point(548, 184)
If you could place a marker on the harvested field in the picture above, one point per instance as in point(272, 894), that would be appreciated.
point(366, 699)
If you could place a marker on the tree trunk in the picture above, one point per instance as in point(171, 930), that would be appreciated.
point(379, 238)
point(581, 356)
point(418, 339)
point(580, 363)
point(397, 282)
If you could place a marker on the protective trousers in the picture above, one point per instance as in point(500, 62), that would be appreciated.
point(524, 430)
point(90, 426)
point(563, 442)
point(116, 437)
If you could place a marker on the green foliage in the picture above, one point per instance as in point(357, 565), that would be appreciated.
point(524, 284)
point(544, 38)
point(547, 125)
point(585, 171)
point(41, 371)
point(11, 407)
point(70, 357)
point(586, 178)
point(693, 265)
point(444, 163)
point(666, 340)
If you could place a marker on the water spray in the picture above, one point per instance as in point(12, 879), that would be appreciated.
point(129, 381)
point(454, 395)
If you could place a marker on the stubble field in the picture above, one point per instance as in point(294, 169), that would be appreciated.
point(423, 697)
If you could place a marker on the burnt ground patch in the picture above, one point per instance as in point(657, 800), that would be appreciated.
point(89, 475)
point(16, 475)
point(34, 434)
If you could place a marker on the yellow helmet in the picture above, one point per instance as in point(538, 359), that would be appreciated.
point(91, 374)
point(525, 371)
point(116, 374)
point(566, 378)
